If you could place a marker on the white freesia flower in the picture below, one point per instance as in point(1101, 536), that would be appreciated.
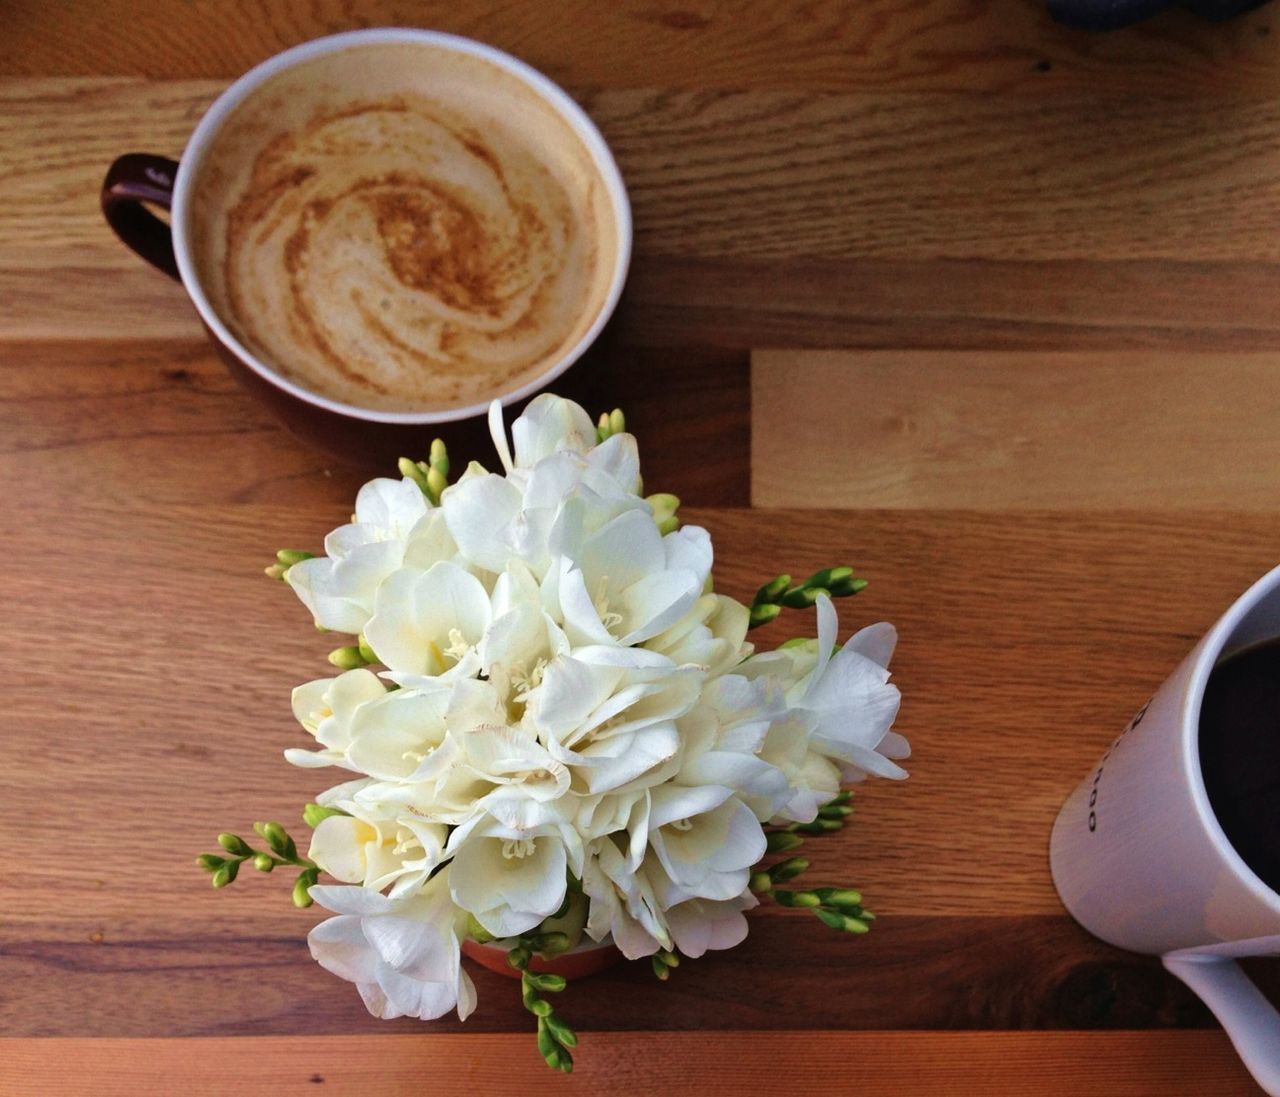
point(841, 706)
point(724, 739)
point(399, 852)
point(326, 708)
point(428, 624)
point(552, 428)
point(849, 701)
point(494, 517)
point(512, 876)
point(812, 778)
point(609, 715)
point(393, 734)
point(623, 904)
point(624, 582)
point(339, 588)
point(700, 925)
point(403, 954)
point(706, 840)
point(711, 635)
point(568, 724)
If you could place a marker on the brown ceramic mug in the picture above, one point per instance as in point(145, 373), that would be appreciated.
point(346, 429)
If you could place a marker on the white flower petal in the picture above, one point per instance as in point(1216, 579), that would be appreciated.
point(656, 602)
point(350, 900)
point(550, 424)
point(478, 512)
point(338, 945)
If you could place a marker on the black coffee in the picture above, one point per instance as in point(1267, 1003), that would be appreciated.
point(1240, 754)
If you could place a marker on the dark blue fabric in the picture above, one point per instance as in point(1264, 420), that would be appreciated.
point(1109, 14)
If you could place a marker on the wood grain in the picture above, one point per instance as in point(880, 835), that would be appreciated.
point(946, 305)
point(934, 45)
point(940, 179)
point(741, 303)
point(935, 1064)
point(167, 406)
point(252, 975)
point(1011, 431)
point(771, 175)
point(185, 657)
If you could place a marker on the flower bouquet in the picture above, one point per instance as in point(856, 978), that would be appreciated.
point(558, 736)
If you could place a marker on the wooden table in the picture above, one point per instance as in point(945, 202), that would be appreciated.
point(985, 307)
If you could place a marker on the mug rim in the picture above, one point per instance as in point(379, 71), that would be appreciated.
point(1211, 650)
point(542, 85)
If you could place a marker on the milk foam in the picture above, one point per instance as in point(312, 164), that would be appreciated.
point(434, 241)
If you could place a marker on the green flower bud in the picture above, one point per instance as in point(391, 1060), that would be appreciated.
point(824, 578)
point(844, 922)
point(839, 897)
point(275, 571)
point(547, 1042)
point(210, 861)
point(570, 919)
point(671, 959)
point(617, 422)
point(366, 652)
point(233, 843)
point(772, 590)
point(302, 890)
point(519, 957)
point(436, 483)
point(760, 883)
point(843, 797)
point(561, 1032)
point(762, 615)
point(787, 870)
point(835, 811)
point(546, 982)
point(797, 642)
point(289, 557)
point(278, 838)
point(820, 826)
point(413, 471)
point(801, 597)
point(224, 874)
point(439, 458)
point(348, 658)
point(552, 944)
point(477, 932)
point(782, 841)
point(660, 969)
point(529, 995)
point(602, 426)
point(806, 899)
point(847, 587)
point(312, 814)
point(263, 862)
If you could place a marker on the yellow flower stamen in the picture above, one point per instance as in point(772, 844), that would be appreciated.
point(517, 848)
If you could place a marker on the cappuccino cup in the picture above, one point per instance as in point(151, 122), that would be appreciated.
point(385, 230)
point(1171, 844)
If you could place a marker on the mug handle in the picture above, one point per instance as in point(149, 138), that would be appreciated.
point(1249, 1019)
point(134, 179)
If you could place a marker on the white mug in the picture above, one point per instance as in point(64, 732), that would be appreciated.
point(1140, 860)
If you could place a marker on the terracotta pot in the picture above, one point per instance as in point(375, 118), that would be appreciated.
point(589, 958)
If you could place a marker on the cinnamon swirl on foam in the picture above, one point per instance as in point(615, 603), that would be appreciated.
point(403, 232)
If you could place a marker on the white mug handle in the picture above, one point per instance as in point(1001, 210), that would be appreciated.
point(1249, 1019)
